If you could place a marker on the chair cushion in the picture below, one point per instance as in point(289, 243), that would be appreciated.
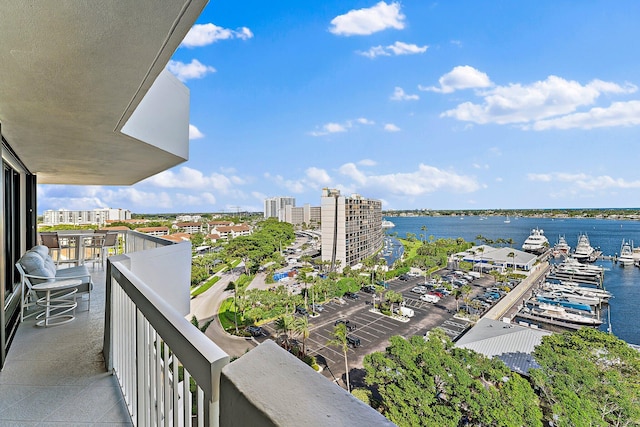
point(80, 270)
point(41, 249)
point(33, 264)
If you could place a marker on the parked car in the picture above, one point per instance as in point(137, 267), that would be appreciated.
point(403, 277)
point(353, 341)
point(370, 289)
point(430, 298)
point(350, 326)
point(419, 290)
point(351, 295)
point(301, 310)
point(317, 308)
point(436, 293)
point(256, 331)
point(339, 301)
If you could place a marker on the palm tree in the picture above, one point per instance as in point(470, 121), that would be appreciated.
point(481, 250)
point(340, 340)
point(301, 327)
point(393, 297)
point(424, 229)
point(456, 294)
point(284, 324)
point(466, 291)
point(513, 259)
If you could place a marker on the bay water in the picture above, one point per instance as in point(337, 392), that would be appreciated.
point(604, 234)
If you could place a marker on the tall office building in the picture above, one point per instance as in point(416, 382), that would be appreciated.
point(274, 207)
point(351, 228)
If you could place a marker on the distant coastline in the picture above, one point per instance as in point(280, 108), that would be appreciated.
point(632, 214)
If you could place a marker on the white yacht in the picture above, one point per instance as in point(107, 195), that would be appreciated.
point(575, 288)
point(536, 242)
point(387, 224)
point(562, 247)
point(626, 253)
point(560, 313)
point(584, 251)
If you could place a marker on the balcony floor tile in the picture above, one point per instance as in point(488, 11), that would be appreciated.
point(56, 376)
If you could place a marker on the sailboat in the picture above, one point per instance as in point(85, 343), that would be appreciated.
point(507, 221)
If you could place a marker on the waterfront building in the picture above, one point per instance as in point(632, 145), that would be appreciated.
point(485, 258)
point(307, 214)
point(100, 216)
point(274, 207)
point(351, 228)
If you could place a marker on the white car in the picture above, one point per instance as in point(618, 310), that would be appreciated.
point(419, 290)
point(430, 298)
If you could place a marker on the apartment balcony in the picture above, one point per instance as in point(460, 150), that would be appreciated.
point(134, 359)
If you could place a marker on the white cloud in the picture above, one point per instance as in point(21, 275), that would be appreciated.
point(617, 114)
point(427, 179)
point(584, 181)
point(390, 127)
point(400, 95)
point(398, 48)
point(551, 99)
point(193, 70)
point(367, 162)
point(206, 34)
point(461, 77)
point(194, 132)
point(365, 121)
point(333, 127)
point(368, 20)
point(187, 177)
point(318, 176)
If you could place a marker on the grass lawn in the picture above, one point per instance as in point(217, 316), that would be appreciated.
point(205, 286)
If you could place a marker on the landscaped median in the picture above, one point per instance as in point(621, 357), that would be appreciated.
point(204, 287)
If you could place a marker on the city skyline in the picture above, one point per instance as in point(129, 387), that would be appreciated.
point(420, 105)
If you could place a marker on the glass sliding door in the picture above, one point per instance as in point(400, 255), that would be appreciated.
point(17, 233)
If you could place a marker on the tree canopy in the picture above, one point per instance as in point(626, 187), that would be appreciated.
point(589, 378)
point(432, 383)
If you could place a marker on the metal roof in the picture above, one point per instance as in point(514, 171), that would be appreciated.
point(511, 343)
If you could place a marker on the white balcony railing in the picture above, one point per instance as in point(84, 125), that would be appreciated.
point(168, 370)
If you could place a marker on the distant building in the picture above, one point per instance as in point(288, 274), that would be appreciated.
point(188, 218)
point(233, 231)
point(487, 258)
point(351, 228)
point(154, 231)
point(85, 217)
point(190, 227)
point(274, 207)
point(307, 214)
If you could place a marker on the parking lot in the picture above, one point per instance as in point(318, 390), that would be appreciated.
point(374, 329)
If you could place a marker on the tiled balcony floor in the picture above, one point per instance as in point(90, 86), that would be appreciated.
point(57, 376)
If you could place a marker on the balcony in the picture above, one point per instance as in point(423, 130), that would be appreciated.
point(134, 359)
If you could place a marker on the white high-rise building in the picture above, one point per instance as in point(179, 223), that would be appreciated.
point(351, 228)
point(85, 217)
point(274, 207)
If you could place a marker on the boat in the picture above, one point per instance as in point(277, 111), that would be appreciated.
point(562, 246)
point(536, 242)
point(626, 253)
point(571, 296)
point(575, 288)
point(507, 221)
point(584, 251)
point(555, 312)
point(565, 302)
point(387, 224)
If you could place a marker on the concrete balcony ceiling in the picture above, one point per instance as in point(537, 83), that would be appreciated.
point(72, 74)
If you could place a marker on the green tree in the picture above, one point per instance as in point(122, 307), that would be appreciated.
point(588, 377)
point(393, 297)
point(430, 382)
point(340, 341)
point(301, 327)
point(284, 326)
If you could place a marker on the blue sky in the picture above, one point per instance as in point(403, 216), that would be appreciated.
point(437, 105)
